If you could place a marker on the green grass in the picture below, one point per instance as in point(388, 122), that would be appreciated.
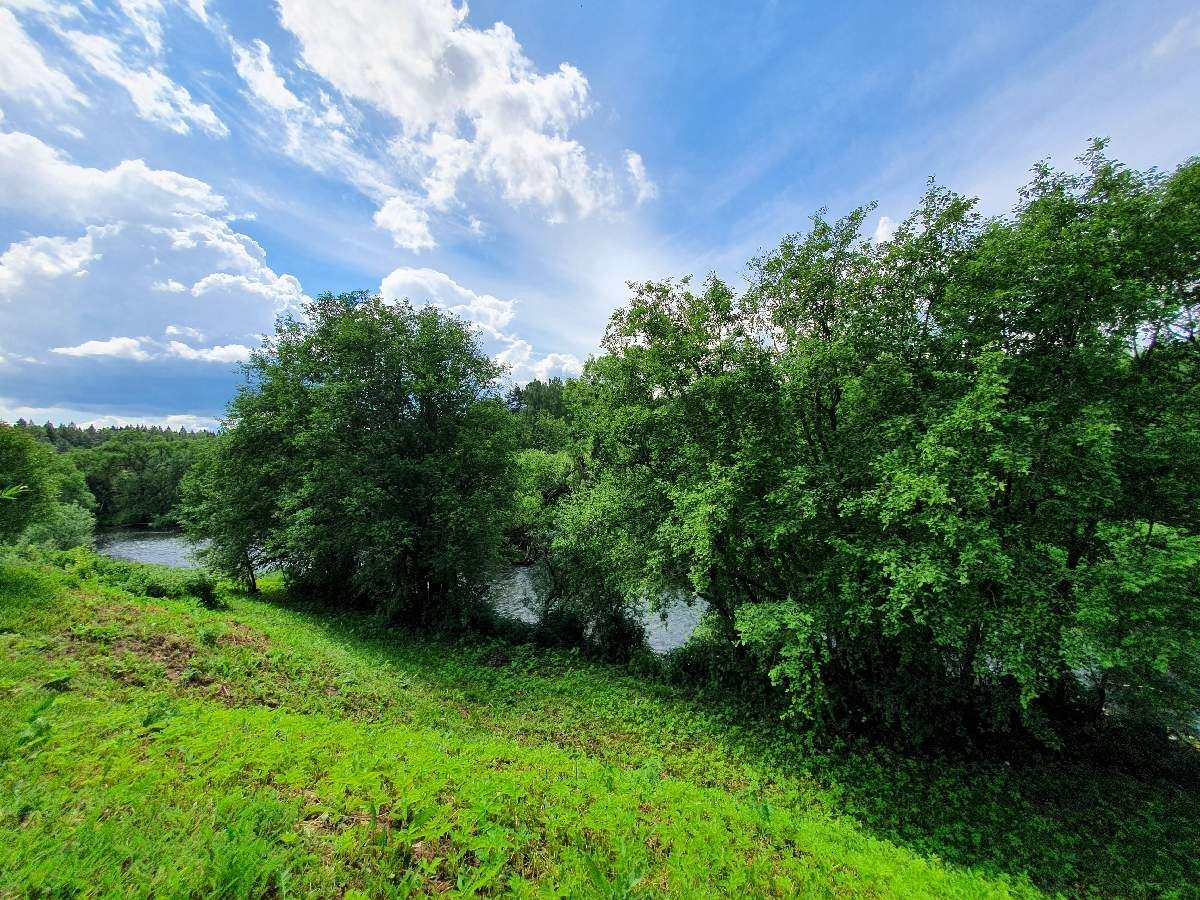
point(155, 747)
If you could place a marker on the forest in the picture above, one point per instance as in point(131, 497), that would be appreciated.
point(937, 496)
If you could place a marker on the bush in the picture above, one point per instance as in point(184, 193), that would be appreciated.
point(65, 526)
point(160, 581)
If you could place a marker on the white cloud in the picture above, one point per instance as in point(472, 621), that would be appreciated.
point(47, 257)
point(24, 73)
point(491, 314)
point(8, 358)
point(467, 100)
point(516, 354)
point(143, 350)
point(645, 188)
point(146, 17)
point(431, 286)
point(1185, 35)
point(39, 180)
point(144, 235)
point(227, 353)
point(315, 134)
point(255, 68)
point(155, 96)
point(283, 291)
point(885, 230)
point(562, 364)
point(117, 347)
point(407, 223)
point(199, 9)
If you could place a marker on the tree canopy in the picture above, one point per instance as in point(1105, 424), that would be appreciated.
point(368, 457)
point(938, 485)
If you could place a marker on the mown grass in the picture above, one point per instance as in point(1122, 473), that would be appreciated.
point(155, 747)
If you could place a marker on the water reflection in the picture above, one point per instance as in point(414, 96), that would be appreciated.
point(516, 595)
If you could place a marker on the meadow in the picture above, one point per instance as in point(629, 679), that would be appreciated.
point(248, 747)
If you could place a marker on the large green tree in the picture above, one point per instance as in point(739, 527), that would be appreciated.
point(939, 485)
point(368, 457)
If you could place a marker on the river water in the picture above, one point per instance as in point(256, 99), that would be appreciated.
point(166, 548)
point(513, 593)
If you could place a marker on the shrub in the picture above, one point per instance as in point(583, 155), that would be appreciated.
point(63, 527)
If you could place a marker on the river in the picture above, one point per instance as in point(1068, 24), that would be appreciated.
point(511, 593)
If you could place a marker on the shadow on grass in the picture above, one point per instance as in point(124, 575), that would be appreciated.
point(1077, 827)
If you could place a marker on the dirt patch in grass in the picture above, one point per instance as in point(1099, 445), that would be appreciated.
point(240, 635)
point(171, 652)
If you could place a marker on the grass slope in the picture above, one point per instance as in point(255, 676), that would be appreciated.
point(157, 748)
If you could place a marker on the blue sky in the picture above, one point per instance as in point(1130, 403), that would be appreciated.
point(174, 174)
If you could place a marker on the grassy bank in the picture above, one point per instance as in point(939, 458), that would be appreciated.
point(155, 747)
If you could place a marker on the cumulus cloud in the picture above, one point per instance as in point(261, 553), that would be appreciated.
point(26, 76)
point(885, 230)
point(562, 364)
point(644, 188)
point(283, 291)
point(226, 353)
point(143, 349)
point(48, 257)
point(156, 97)
point(431, 286)
point(117, 347)
point(184, 331)
point(407, 223)
point(516, 355)
point(39, 180)
point(129, 251)
point(467, 100)
point(490, 314)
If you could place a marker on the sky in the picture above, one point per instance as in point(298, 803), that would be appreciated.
point(176, 174)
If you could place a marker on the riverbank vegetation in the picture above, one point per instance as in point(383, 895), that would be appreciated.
point(938, 490)
point(936, 493)
point(123, 475)
point(270, 747)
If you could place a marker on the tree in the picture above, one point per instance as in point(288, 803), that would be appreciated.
point(368, 457)
point(226, 504)
point(543, 416)
point(135, 474)
point(27, 481)
point(939, 486)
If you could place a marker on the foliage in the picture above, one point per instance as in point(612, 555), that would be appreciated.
point(225, 499)
point(62, 527)
point(938, 487)
point(29, 477)
point(543, 417)
point(134, 475)
point(367, 456)
point(369, 761)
